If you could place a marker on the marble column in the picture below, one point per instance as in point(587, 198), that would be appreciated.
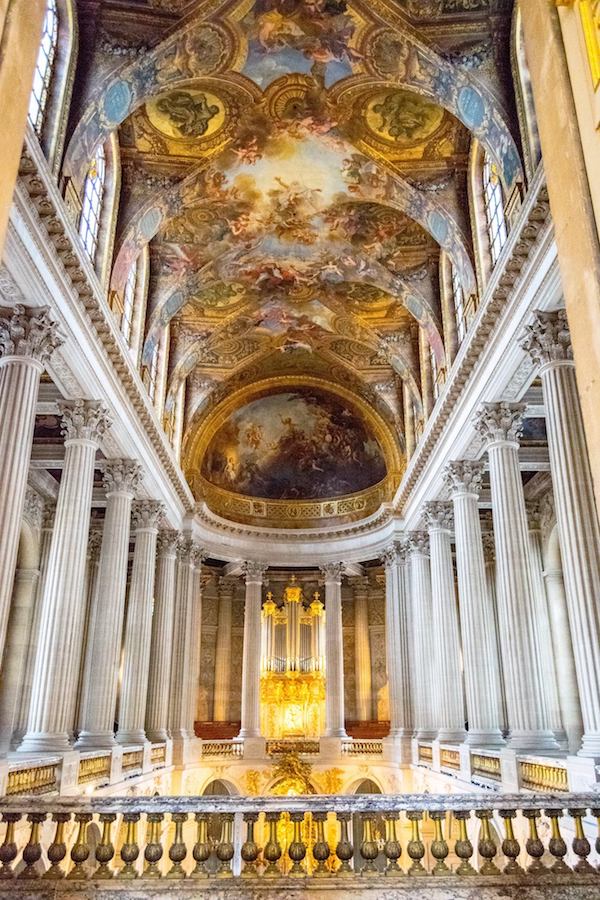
point(489, 556)
point(447, 681)
point(398, 640)
point(198, 583)
point(409, 421)
point(549, 344)
point(53, 695)
point(334, 651)
point(362, 649)
point(181, 723)
point(477, 617)
point(15, 651)
point(545, 653)
point(223, 662)
point(28, 337)
point(105, 627)
point(92, 562)
point(425, 706)
point(146, 516)
point(157, 704)
point(254, 574)
point(499, 424)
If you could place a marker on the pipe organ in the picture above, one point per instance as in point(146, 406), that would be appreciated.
point(292, 685)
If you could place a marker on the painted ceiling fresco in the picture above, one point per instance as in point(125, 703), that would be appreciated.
point(294, 445)
point(295, 169)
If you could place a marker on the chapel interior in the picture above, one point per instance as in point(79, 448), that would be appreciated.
point(300, 449)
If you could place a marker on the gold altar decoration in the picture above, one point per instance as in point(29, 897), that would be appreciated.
point(292, 684)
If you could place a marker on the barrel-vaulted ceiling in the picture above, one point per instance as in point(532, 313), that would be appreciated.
point(293, 169)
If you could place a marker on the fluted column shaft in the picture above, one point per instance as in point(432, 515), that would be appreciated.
point(181, 726)
point(27, 340)
point(334, 652)
point(489, 555)
point(500, 425)
point(362, 649)
point(254, 573)
point(196, 635)
point(53, 696)
point(15, 651)
point(444, 609)
point(397, 643)
point(562, 643)
point(105, 626)
point(221, 701)
point(549, 344)
point(477, 619)
point(422, 636)
point(157, 704)
point(138, 628)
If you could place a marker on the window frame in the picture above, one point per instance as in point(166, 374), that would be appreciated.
point(44, 69)
point(129, 297)
point(92, 202)
point(493, 206)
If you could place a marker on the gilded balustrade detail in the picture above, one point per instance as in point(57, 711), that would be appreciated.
point(359, 747)
point(450, 759)
point(222, 749)
point(158, 755)
point(425, 754)
point(33, 779)
point(486, 766)
point(287, 837)
point(94, 768)
point(299, 747)
point(543, 776)
point(133, 759)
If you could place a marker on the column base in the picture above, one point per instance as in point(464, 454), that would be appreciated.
point(492, 738)
point(95, 740)
point(590, 745)
point(425, 734)
point(451, 736)
point(45, 742)
point(129, 738)
point(533, 742)
point(160, 736)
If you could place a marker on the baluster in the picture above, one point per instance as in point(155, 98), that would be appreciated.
point(272, 851)
point(416, 847)
point(510, 845)
point(595, 812)
point(581, 845)
point(105, 850)
point(225, 848)
point(368, 847)
point(392, 847)
point(439, 846)
point(297, 848)
point(463, 846)
point(557, 845)
point(154, 849)
point(344, 849)
point(178, 849)
point(8, 848)
point(533, 845)
point(250, 849)
point(32, 851)
point(130, 849)
point(320, 850)
point(201, 851)
point(486, 844)
point(58, 848)
point(80, 850)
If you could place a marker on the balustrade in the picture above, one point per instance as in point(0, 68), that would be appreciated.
point(306, 837)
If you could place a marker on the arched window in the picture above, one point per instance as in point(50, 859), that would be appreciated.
point(44, 68)
point(91, 208)
point(153, 373)
point(129, 303)
point(493, 201)
point(460, 310)
point(435, 373)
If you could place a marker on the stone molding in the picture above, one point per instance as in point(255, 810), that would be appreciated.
point(83, 420)
point(548, 339)
point(29, 333)
point(500, 422)
point(122, 476)
point(146, 513)
point(464, 476)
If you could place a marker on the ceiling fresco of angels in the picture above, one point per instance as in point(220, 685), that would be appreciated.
point(296, 169)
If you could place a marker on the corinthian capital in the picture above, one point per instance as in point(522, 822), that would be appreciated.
point(29, 332)
point(500, 422)
point(83, 419)
point(166, 543)
point(147, 513)
point(94, 545)
point(418, 542)
point(438, 514)
point(185, 546)
point(122, 476)
point(332, 571)
point(197, 555)
point(394, 554)
point(254, 571)
point(464, 476)
point(548, 340)
point(489, 546)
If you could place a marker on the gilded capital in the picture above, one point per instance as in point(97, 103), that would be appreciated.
point(438, 514)
point(166, 543)
point(418, 542)
point(122, 476)
point(464, 476)
point(332, 572)
point(548, 340)
point(83, 419)
point(147, 513)
point(254, 571)
point(29, 332)
point(500, 422)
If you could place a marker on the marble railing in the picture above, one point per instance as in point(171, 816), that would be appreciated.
point(362, 747)
point(222, 749)
point(529, 838)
